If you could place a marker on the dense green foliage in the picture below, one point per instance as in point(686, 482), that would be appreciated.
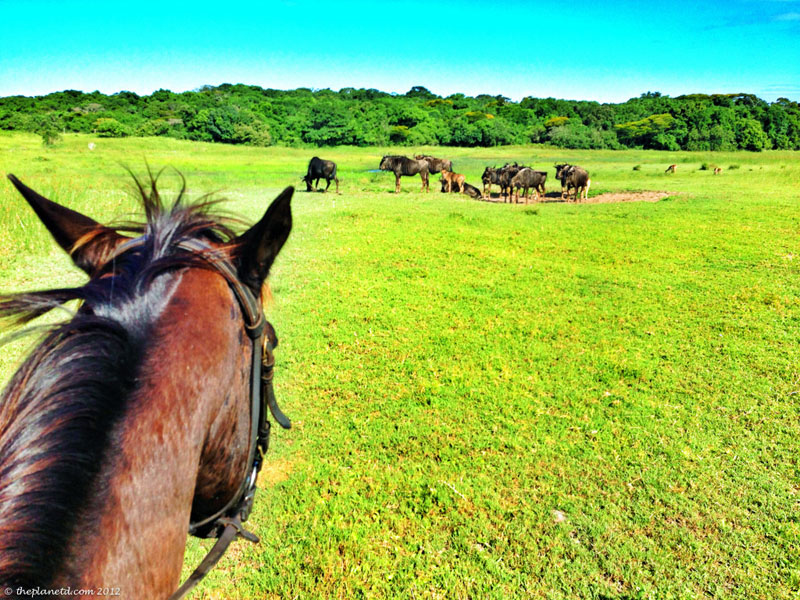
point(242, 114)
point(496, 401)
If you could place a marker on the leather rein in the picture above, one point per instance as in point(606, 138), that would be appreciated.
point(226, 523)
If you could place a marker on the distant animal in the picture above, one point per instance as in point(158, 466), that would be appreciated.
point(717, 170)
point(452, 182)
point(435, 165)
point(402, 165)
point(143, 416)
point(527, 179)
point(446, 184)
point(507, 173)
point(471, 191)
point(573, 177)
point(490, 175)
point(671, 169)
point(320, 169)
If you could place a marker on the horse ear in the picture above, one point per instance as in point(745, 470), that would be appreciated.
point(88, 242)
point(258, 246)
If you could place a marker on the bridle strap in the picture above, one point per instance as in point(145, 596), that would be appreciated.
point(232, 530)
point(262, 395)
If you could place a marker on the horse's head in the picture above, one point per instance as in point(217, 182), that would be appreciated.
point(140, 406)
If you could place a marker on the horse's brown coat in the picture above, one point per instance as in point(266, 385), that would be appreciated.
point(177, 450)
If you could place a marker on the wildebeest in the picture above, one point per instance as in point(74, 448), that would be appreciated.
point(402, 165)
point(527, 179)
point(321, 169)
point(435, 165)
point(671, 169)
point(572, 176)
point(490, 176)
point(452, 182)
point(471, 191)
point(505, 176)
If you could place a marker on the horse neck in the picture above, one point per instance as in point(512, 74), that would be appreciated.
point(186, 426)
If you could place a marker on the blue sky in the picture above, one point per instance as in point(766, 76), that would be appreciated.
point(585, 50)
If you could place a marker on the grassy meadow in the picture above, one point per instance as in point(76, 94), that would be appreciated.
point(490, 400)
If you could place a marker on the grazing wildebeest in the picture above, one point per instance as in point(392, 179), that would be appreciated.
point(572, 176)
point(402, 165)
point(471, 191)
point(452, 182)
point(142, 417)
point(435, 165)
point(320, 169)
point(527, 179)
point(671, 169)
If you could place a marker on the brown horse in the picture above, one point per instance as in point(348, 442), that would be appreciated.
point(131, 422)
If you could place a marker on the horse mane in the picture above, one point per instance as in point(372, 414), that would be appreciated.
point(58, 412)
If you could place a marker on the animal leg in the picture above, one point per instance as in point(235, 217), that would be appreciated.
point(396, 183)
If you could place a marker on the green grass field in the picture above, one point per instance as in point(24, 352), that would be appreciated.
point(499, 401)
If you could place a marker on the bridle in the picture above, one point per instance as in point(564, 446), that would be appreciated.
point(226, 523)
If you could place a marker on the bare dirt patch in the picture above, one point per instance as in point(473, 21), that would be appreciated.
point(644, 196)
point(648, 196)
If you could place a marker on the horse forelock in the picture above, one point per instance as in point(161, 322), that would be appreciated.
point(58, 412)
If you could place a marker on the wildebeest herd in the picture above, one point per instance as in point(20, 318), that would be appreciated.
point(511, 178)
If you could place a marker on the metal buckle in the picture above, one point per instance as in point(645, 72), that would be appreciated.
point(240, 530)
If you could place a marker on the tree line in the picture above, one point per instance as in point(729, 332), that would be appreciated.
point(248, 114)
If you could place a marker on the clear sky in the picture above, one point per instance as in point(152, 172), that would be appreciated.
point(583, 50)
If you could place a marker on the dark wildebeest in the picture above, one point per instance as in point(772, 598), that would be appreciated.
point(435, 165)
point(321, 169)
point(671, 169)
point(490, 175)
point(506, 175)
point(572, 176)
point(527, 179)
point(471, 191)
point(402, 165)
point(452, 182)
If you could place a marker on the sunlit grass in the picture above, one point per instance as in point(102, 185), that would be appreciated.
point(496, 401)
